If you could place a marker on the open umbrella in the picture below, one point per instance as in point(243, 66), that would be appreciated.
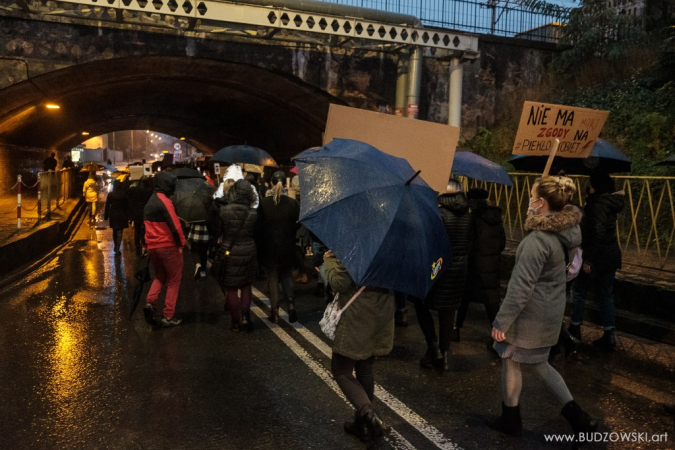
point(604, 157)
point(143, 276)
point(669, 161)
point(187, 172)
point(192, 199)
point(92, 167)
point(375, 214)
point(244, 154)
point(471, 165)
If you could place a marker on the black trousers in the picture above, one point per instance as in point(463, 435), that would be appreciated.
point(199, 251)
point(358, 389)
point(446, 318)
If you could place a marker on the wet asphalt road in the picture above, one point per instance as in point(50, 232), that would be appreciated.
point(76, 373)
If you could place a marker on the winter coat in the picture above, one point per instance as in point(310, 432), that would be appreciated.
point(366, 328)
point(139, 193)
point(533, 308)
point(598, 230)
point(488, 240)
point(117, 208)
point(448, 291)
point(90, 190)
point(236, 222)
point(277, 225)
point(162, 226)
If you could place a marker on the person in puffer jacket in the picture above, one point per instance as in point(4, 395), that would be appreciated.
point(165, 241)
point(602, 257)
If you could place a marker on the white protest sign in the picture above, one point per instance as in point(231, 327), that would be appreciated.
point(542, 123)
point(216, 168)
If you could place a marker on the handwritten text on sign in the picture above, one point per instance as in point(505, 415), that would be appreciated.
point(542, 123)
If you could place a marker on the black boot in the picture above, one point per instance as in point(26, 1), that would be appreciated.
point(443, 364)
point(509, 422)
point(429, 359)
point(292, 314)
point(246, 326)
point(357, 428)
point(607, 343)
point(570, 343)
point(377, 429)
point(580, 421)
point(575, 331)
point(274, 315)
point(235, 325)
point(455, 334)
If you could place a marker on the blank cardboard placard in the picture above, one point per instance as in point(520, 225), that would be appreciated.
point(542, 123)
point(429, 147)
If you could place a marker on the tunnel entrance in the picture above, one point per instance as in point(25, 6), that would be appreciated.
point(212, 104)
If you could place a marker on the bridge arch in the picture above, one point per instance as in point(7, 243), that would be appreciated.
point(211, 103)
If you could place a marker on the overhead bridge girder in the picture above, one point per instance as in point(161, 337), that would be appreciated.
point(215, 13)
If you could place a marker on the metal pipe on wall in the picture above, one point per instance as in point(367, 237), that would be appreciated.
point(455, 93)
point(401, 83)
point(414, 82)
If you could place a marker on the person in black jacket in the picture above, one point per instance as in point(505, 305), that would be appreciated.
point(117, 213)
point(446, 294)
point(602, 257)
point(278, 223)
point(235, 227)
point(140, 192)
point(488, 240)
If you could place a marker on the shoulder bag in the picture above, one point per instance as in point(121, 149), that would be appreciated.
point(332, 314)
point(218, 265)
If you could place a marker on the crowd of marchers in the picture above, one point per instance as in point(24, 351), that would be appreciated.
point(253, 227)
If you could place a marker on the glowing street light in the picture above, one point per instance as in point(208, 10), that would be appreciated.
point(52, 106)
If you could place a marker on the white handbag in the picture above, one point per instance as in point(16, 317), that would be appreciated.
point(332, 314)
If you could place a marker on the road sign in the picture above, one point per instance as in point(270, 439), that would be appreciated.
point(176, 146)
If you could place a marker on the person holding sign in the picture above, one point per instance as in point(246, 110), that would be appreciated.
point(528, 321)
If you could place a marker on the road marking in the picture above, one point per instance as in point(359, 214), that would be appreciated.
point(407, 414)
point(640, 389)
point(397, 441)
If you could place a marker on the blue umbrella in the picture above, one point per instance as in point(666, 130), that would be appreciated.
point(244, 154)
point(669, 161)
point(470, 165)
point(604, 157)
point(373, 211)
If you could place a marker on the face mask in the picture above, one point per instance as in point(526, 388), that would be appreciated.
point(532, 211)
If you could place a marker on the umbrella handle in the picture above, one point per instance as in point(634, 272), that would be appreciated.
point(407, 183)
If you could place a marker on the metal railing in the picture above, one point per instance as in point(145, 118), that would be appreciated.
point(645, 228)
point(487, 17)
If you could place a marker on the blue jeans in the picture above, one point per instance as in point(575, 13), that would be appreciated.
point(605, 297)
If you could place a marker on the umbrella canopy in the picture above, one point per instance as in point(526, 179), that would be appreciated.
point(604, 157)
point(244, 154)
point(192, 199)
point(186, 172)
point(92, 167)
point(669, 161)
point(470, 165)
point(371, 210)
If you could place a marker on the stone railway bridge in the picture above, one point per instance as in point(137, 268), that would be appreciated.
point(223, 73)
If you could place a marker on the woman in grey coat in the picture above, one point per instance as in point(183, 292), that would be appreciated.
point(365, 330)
point(528, 322)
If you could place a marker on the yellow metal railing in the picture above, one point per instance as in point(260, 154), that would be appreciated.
point(645, 227)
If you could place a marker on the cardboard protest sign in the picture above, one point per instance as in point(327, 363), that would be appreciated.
point(542, 123)
point(429, 147)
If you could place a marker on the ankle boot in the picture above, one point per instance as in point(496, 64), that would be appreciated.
point(377, 429)
point(235, 325)
point(509, 422)
point(607, 343)
point(575, 331)
point(579, 420)
point(429, 359)
point(274, 315)
point(292, 314)
point(357, 428)
point(246, 325)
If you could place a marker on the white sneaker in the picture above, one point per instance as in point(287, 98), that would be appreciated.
point(197, 270)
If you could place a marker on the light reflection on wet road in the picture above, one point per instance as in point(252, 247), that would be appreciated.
point(75, 373)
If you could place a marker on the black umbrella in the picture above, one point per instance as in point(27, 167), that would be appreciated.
point(244, 154)
point(669, 161)
point(192, 199)
point(143, 276)
point(604, 157)
point(186, 172)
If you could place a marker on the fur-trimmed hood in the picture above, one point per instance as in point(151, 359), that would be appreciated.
point(564, 223)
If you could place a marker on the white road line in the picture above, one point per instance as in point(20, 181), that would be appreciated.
point(427, 430)
point(397, 441)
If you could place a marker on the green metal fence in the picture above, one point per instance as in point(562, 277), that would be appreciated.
point(645, 228)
